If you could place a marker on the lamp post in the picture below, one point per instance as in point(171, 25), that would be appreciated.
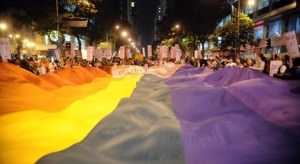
point(237, 40)
point(57, 21)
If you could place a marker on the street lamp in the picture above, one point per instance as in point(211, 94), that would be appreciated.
point(3, 26)
point(16, 36)
point(124, 34)
point(251, 2)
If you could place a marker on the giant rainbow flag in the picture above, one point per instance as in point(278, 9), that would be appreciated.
point(172, 115)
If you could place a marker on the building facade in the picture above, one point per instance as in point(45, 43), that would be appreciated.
point(160, 13)
point(272, 19)
point(128, 10)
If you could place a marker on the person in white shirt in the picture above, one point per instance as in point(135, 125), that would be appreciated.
point(259, 64)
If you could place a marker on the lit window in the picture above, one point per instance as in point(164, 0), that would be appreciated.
point(259, 32)
point(206, 45)
point(249, 10)
point(67, 37)
point(275, 29)
point(132, 4)
point(298, 24)
point(263, 4)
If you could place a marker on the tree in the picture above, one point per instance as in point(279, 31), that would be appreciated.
point(198, 19)
point(228, 33)
point(69, 9)
point(40, 15)
point(104, 22)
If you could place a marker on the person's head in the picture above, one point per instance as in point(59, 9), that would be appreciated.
point(249, 62)
point(237, 61)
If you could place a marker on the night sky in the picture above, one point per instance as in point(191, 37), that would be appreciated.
point(145, 19)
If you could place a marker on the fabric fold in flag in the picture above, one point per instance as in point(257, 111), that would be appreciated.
point(143, 130)
point(219, 124)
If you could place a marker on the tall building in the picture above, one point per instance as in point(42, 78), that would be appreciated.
point(128, 9)
point(160, 13)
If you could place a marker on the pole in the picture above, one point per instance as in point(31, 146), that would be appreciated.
point(238, 29)
point(57, 22)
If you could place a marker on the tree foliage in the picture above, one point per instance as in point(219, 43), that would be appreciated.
point(228, 33)
point(198, 19)
point(105, 20)
point(40, 15)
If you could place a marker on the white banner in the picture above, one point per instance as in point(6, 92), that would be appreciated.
point(178, 54)
point(274, 66)
point(122, 52)
point(144, 51)
point(128, 53)
point(164, 52)
point(149, 49)
point(84, 53)
point(108, 53)
point(72, 51)
point(291, 44)
point(90, 53)
point(98, 53)
point(173, 53)
point(5, 49)
point(196, 54)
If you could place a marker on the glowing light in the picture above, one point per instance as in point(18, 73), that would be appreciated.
point(3, 26)
point(117, 27)
point(30, 44)
point(251, 2)
point(25, 40)
point(124, 34)
point(129, 40)
point(177, 26)
point(132, 4)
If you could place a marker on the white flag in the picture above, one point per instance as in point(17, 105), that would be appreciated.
point(5, 49)
point(291, 44)
point(90, 53)
point(149, 49)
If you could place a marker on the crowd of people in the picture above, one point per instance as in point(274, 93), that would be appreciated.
point(289, 69)
point(42, 65)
